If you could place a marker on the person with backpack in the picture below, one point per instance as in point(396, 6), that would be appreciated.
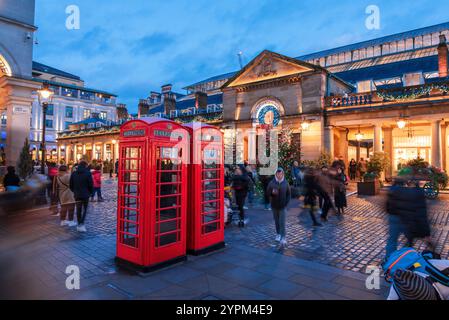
point(280, 195)
point(66, 197)
point(240, 183)
point(96, 176)
point(81, 184)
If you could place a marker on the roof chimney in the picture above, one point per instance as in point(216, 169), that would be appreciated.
point(166, 88)
point(442, 57)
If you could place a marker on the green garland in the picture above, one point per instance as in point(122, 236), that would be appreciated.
point(414, 93)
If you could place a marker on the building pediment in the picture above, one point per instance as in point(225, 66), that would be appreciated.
point(268, 65)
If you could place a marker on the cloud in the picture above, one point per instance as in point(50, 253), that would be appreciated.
point(132, 49)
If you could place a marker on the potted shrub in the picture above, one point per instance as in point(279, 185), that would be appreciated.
point(371, 180)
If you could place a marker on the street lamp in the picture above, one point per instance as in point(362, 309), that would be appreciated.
point(45, 96)
point(401, 123)
point(305, 125)
point(359, 136)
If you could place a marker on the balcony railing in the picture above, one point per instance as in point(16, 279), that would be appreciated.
point(389, 96)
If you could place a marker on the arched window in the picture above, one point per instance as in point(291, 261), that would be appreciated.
point(5, 69)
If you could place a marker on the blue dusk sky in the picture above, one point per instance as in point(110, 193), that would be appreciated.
point(133, 47)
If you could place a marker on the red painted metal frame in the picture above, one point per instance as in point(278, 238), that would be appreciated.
point(197, 240)
point(149, 134)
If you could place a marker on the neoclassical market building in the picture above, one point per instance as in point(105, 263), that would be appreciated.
point(388, 94)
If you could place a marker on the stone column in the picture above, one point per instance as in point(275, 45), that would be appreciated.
point(377, 137)
point(17, 100)
point(252, 146)
point(329, 140)
point(436, 144)
point(388, 149)
point(343, 145)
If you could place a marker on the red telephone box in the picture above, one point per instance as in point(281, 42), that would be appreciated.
point(152, 190)
point(205, 218)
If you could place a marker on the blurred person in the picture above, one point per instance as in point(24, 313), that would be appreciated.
point(66, 197)
point(11, 180)
point(116, 165)
point(325, 190)
point(407, 214)
point(310, 194)
point(352, 170)
point(265, 180)
point(252, 175)
point(280, 195)
point(340, 191)
point(296, 174)
point(96, 177)
point(52, 173)
point(81, 184)
point(240, 182)
point(362, 168)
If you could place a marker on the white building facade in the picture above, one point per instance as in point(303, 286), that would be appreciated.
point(72, 102)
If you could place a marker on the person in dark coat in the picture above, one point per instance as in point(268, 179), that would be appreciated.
point(82, 186)
point(116, 168)
point(311, 193)
point(280, 195)
point(265, 180)
point(352, 169)
point(340, 191)
point(11, 180)
point(240, 184)
point(407, 212)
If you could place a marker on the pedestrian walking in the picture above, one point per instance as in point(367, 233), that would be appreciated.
point(66, 197)
point(407, 214)
point(362, 166)
point(252, 175)
point(96, 177)
point(325, 188)
point(116, 168)
point(81, 184)
point(240, 182)
point(11, 180)
point(296, 174)
point(265, 180)
point(280, 195)
point(340, 191)
point(51, 175)
point(310, 194)
point(352, 170)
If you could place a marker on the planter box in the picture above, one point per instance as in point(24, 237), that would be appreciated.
point(370, 188)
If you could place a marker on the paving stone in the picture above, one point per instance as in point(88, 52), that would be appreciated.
point(246, 277)
point(279, 288)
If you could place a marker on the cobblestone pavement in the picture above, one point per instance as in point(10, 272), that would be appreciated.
point(35, 251)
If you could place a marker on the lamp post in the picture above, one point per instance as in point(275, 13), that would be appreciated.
point(45, 96)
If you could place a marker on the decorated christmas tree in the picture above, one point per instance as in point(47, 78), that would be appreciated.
point(25, 165)
point(289, 151)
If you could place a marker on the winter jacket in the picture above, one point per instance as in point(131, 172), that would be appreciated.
point(96, 176)
point(81, 183)
point(63, 187)
point(240, 184)
point(280, 193)
point(410, 205)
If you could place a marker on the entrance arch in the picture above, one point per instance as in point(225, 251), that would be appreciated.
point(5, 69)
